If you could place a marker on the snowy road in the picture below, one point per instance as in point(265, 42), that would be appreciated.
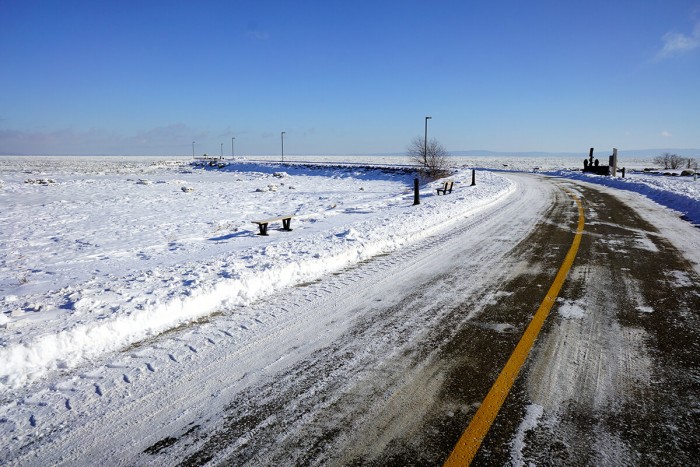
point(386, 362)
point(614, 377)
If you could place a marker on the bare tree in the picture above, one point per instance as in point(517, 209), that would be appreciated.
point(669, 161)
point(676, 161)
point(691, 162)
point(431, 158)
point(662, 160)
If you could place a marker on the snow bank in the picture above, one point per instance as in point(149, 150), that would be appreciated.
point(117, 261)
point(679, 193)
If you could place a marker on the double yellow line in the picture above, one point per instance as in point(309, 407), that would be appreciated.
point(470, 441)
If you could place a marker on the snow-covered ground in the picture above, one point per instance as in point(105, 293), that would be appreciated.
point(681, 194)
point(97, 254)
point(100, 253)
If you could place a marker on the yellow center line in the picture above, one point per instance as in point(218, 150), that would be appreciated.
point(470, 441)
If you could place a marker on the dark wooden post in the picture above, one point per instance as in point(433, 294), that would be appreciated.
point(416, 193)
point(473, 177)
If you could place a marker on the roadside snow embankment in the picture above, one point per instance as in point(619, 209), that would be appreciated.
point(678, 193)
point(342, 217)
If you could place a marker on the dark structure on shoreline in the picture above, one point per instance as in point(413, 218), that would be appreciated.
point(593, 166)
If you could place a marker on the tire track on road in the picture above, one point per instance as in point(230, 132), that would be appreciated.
point(613, 378)
point(470, 441)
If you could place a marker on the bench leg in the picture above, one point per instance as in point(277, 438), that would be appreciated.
point(286, 223)
point(263, 229)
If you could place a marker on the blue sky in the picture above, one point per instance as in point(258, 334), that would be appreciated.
point(347, 77)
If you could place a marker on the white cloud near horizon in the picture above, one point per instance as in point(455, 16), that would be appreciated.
point(666, 134)
point(98, 141)
point(676, 43)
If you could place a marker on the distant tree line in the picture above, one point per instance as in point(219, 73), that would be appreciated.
point(674, 161)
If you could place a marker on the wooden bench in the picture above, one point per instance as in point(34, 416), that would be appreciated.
point(447, 188)
point(286, 222)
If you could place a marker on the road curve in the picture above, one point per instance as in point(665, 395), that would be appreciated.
point(386, 363)
point(614, 378)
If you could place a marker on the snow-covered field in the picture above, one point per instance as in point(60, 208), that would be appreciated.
point(680, 193)
point(99, 253)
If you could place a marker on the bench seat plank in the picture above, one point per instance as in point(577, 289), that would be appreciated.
point(272, 219)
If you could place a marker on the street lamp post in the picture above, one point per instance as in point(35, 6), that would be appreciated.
point(282, 136)
point(192, 149)
point(425, 141)
point(233, 154)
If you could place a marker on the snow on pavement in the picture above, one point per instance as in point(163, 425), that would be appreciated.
point(679, 193)
point(100, 253)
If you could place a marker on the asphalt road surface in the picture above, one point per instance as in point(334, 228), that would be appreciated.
point(612, 379)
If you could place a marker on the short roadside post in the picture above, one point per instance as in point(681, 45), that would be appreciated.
point(416, 194)
point(473, 177)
